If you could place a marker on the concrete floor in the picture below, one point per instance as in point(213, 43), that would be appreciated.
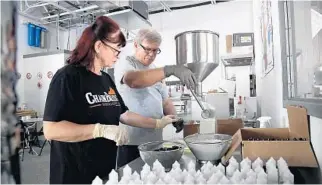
point(34, 168)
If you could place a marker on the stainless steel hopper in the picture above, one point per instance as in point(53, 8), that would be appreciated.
point(199, 51)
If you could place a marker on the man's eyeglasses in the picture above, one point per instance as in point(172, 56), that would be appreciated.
point(116, 51)
point(148, 50)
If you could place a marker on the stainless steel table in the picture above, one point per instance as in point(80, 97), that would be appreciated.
point(301, 175)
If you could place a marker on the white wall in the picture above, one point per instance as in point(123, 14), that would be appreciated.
point(270, 87)
point(24, 48)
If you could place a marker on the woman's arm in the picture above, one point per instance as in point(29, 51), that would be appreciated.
point(68, 131)
point(136, 120)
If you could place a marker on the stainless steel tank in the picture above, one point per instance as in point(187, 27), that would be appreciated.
point(199, 51)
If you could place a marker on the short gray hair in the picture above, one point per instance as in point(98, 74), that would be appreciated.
point(148, 34)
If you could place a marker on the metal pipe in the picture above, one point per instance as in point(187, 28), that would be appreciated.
point(199, 102)
point(57, 36)
point(46, 10)
point(72, 12)
point(70, 18)
point(62, 8)
point(60, 20)
point(205, 113)
point(27, 5)
point(117, 12)
point(20, 3)
point(72, 4)
point(77, 25)
point(34, 6)
point(165, 6)
point(40, 22)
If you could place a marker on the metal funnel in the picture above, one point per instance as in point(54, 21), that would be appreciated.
point(199, 51)
point(202, 70)
point(208, 147)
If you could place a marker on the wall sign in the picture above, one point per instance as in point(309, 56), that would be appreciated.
point(50, 74)
point(28, 76)
point(39, 85)
point(39, 75)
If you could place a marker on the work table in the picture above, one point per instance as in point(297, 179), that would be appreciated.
point(301, 175)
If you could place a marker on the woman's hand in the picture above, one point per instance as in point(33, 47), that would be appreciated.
point(164, 121)
point(111, 132)
point(136, 120)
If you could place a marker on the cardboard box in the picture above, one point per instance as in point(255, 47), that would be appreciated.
point(296, 153)
point(190, 128)
point(228, 126)
point(223, 126)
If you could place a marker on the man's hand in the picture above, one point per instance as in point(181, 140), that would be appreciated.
point(183, 73)
point(164, 121)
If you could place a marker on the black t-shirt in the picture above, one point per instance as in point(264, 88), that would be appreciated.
point(80, 96)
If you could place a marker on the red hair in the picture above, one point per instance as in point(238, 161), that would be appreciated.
point(103, 28)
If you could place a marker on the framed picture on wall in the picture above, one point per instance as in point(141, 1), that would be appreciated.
point(266, 26)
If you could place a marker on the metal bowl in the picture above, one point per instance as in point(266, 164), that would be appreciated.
point(166, 158)
point(208, 147)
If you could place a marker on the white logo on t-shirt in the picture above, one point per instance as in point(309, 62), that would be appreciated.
point(107, 97)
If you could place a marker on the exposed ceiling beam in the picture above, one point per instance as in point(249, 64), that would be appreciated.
point(78, 16)
point(62, 8)
point(46, 10)
point(165, 6)
point(37, 21)
point(72, 4)
point(36, 5)
point(71, 12)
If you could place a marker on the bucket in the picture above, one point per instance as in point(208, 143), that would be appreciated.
point(31, 34)
point(265, 122)
point(38, 36)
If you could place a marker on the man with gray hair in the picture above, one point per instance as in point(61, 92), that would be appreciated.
point(140, 84)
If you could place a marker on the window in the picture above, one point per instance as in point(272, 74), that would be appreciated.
point(301, 39)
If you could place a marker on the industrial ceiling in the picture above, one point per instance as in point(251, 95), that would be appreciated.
point(69, 14)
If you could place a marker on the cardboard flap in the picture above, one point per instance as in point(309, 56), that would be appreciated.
point(236, 141)
point(298, 122)
point(228, 126)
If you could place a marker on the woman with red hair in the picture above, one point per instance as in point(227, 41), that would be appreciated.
point(83, 109)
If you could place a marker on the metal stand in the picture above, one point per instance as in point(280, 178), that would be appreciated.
point(43, 145)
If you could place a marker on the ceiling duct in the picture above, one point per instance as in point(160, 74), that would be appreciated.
point(130, 15)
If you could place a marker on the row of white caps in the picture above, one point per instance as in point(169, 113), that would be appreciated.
point(245, 172)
